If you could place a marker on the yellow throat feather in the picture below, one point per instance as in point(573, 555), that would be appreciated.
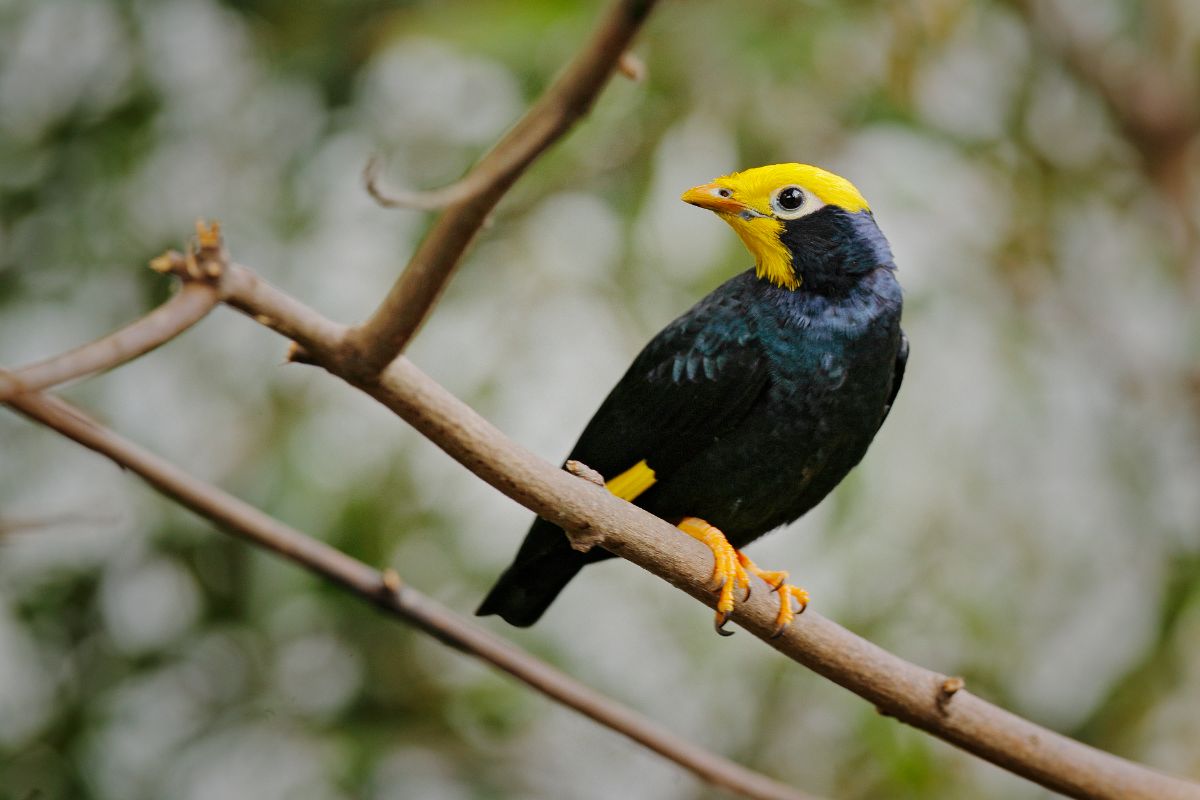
point(761, 231)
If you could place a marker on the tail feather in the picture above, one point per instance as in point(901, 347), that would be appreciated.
point(543, 566)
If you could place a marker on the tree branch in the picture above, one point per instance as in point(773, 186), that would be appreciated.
point(426, 200)
point(628, 66)
point(385, 334)
point(65, 520)
point(185, 309)
point(386, 591)
point(366, 357)
point(912, 694)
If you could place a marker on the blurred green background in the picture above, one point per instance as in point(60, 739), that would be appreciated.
point(1028, 518)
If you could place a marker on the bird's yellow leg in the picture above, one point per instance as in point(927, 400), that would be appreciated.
point(777, 580)
point(728, 573)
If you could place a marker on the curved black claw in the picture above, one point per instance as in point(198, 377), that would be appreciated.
point(776, 633)
point(720, 623)
point(747, 597)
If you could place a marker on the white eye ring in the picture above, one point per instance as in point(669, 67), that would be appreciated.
point(809, 202)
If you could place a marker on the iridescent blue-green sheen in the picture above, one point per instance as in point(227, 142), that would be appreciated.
point(750, 408)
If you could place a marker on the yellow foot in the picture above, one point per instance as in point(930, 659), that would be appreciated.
point(728, 573)
point(777, 580)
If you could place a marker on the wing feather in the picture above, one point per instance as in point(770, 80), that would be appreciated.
point(693, 382)
point(897, 375)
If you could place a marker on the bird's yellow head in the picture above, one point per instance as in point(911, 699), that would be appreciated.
point(760, 203)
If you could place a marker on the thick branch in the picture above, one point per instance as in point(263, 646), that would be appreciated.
point(910, 693)
point(386, 591)
point(161, 325)
point(384, 336)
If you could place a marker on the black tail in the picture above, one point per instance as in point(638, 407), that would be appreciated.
point(543, 566)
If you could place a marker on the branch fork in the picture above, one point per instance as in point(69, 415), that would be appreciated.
point(206, 259)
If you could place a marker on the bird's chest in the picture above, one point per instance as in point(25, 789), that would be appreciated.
point(824, 402)
point(830, 366)
point(831, 369)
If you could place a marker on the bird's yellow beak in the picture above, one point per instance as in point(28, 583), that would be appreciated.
point(760, 231)
point(715, 198)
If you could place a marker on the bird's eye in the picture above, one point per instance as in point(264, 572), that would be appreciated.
point(790, 198)
point(792, 202)
point(724, 193)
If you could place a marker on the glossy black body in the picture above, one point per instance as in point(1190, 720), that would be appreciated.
point(750, 408)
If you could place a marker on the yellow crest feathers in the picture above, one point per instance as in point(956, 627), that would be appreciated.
point(754, 187)
point(755, 205)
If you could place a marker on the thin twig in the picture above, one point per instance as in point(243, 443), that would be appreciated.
point(185, 309)
point(427, 200)
point(900, 689)
point(631, 66)
point(384, 336)
point(66, 520)
point(402, 601)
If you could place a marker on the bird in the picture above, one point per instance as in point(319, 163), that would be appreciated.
point(742, 414)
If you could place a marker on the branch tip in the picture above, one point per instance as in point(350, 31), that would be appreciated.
point(208, 234)
point(583, 537)
point(205, 260)
point(370, 179)
point(431, 200)
point(950, 687)
point(581, 470)
point(168, 263)
point(390, 581)
point(296, 354)
point(632, 67)
point(207, 256)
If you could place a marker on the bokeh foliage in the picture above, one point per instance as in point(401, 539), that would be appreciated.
point(1029, 517)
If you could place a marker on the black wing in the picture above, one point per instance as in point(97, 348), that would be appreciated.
point(693, 382)
point(897, 375)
